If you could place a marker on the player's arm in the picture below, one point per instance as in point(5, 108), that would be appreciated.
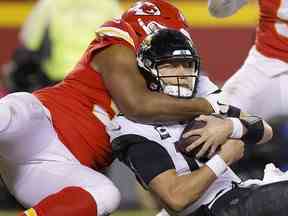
point(254, 126)
point(177, 192)
point(127, 87)
point(180, 191)
point(157, 172)
point(224, 8)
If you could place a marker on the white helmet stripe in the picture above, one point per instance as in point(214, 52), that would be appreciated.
point(116, 32)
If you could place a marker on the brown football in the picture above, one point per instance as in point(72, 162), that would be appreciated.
point(182, 143)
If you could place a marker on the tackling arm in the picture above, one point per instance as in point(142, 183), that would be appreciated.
point(253, 126)
point(118, 67)
point(224, 8)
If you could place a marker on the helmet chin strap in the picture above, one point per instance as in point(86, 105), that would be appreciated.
point(176, 91)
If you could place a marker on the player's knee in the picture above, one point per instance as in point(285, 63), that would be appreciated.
point(113, 200)
point(107, 198)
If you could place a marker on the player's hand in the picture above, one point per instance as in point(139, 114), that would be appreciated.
point(215, 133)
point(231, 151)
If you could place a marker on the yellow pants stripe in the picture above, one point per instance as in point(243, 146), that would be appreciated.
point(30, 212)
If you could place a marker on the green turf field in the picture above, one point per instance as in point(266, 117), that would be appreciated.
point(119, 213)
point(135, 213)
point(8, 213)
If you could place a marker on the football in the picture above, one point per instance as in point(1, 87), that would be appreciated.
point(182, 143)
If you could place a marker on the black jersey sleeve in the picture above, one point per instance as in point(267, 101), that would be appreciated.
point(146, 158)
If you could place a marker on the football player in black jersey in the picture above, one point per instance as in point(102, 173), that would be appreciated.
point(187, 185)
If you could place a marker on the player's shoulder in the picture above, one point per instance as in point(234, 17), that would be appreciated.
point(119, 29)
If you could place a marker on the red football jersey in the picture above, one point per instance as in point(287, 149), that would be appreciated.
point(71, 102)
point(272, 33)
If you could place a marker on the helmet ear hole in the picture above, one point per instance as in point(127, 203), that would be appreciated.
point(154, 87)
point(152, 82)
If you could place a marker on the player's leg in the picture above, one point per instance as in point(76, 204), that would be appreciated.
point(246, 85)
point(258, 86)
point(268, 200)
point(24, 127)
point(248, 82)
point(72, 201)
point(231, 203)
point(36, 169)
point(75, 191)
point(55, 183)
point(271, 199)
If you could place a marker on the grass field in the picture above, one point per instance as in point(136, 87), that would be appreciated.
point(119, 213)
point(134, 213)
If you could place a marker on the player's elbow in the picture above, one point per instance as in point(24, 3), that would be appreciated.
point(175, 205)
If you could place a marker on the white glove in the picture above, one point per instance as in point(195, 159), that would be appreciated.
point(216, 101)
point(224, 8)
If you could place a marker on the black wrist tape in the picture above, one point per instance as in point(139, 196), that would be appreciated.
point(255, 129)
point(233, 112)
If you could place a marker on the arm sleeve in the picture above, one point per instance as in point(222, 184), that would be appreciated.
point(224, 8)
point(145, 158)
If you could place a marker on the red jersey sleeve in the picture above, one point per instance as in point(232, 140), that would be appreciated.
point(112, 32)
point(73, 103)
point(272, 31)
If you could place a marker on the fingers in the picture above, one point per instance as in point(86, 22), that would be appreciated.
point(212, 151)
point(202, 118)
point(196, 143)
point(192, 132)
point(204, 148)
point(188, 141)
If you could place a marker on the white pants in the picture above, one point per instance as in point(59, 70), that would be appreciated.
point(34, 163)
point(260, 86)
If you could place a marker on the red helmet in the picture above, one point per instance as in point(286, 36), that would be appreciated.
point(149, 15)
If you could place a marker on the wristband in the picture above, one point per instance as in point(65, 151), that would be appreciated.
point(237, 132)
point(255, 129)
point(217, 165)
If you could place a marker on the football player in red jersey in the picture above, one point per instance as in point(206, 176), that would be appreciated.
point(263, 77)
point(53, 142)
